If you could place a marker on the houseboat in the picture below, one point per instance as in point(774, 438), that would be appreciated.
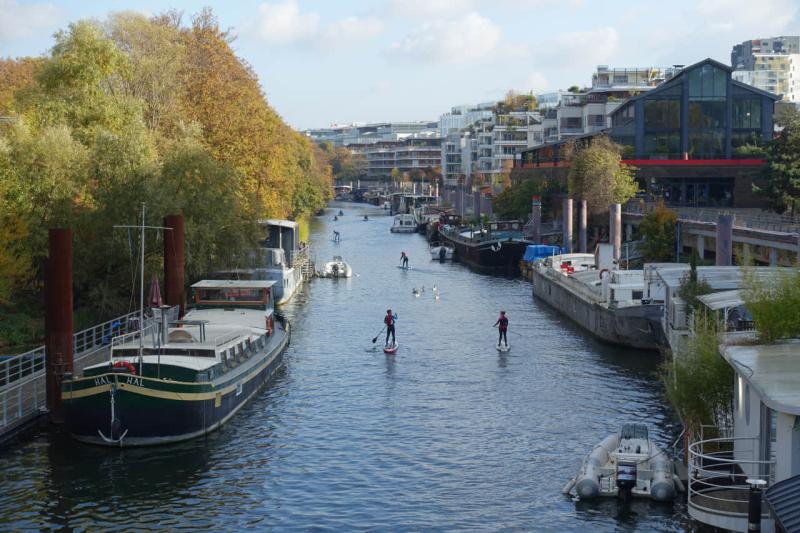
point(174, 380)
point(606, 302)
point(496, 245)
point(404, 224)
point(283, 258)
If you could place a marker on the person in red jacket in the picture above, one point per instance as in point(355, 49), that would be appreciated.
point(389, 321)
point(502, 326)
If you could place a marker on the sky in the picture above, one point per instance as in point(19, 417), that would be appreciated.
point(326, 62)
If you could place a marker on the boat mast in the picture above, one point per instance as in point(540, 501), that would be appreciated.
point(141, 296)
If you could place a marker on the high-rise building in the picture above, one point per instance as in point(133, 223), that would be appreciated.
point(769, 64)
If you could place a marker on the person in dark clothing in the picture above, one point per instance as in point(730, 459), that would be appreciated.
point(389, 321)
point(336, 237)
point(502, 326)
point(404, 259)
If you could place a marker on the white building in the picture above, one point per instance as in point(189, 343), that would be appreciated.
point(769, 64)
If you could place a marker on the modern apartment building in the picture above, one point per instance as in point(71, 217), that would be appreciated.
point(407, 156)
point(566, 114)
point(374, 133)
point(767, 64)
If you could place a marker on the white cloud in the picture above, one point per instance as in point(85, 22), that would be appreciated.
point(351, 30)
point(468, 39)
point(285, 24)
point(765, 18)
point(429, 8)
point(22, 20)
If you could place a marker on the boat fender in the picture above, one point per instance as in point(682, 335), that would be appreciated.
point(568, 487)
point(601, 272)
point(127, 365)
point(678, 483)
point(662, 488)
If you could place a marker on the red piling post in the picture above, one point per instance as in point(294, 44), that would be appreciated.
point(58, 317)
point(174, 262)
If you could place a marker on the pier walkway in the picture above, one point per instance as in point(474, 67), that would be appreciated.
point(22, 377)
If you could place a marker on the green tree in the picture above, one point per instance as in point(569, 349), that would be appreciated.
point(658, 230)
point(691, 286)
point(781, 186)
point(598, 176)
point(774, 304)
point(515, 201)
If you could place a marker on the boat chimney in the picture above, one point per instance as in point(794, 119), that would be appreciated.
point(725, 240)
point(567, 214)
point(174, 262)
point(58, 318)
point(582, 218)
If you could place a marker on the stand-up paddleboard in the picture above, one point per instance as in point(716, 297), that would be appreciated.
point(401, 267)
point(503, 348)
point(391, 349)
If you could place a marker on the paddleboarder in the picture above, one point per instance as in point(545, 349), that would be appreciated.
point(502, 326)
point(389, 321)
point(404, 259)
point(336, 236)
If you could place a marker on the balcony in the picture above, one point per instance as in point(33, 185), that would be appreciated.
point(718, 492)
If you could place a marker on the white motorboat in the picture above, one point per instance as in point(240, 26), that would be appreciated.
point(404, 224)
point(441, 252)
point(626, 464)
point(336, 269)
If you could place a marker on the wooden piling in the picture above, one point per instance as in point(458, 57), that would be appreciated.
point(58, 318)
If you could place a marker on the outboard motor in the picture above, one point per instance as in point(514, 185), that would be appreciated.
point(626, 479)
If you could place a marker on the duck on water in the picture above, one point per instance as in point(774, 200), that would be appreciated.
point(174, 380)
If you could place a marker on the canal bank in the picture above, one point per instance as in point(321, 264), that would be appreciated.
point(445, 435)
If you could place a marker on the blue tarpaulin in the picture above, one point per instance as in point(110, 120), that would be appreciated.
point(535, 252)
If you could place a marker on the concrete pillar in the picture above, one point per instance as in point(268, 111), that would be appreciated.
point(615, 229)
point(725, 240)
point(476, 203)
point(536, 219)
point(701, 246)
point(582, 218)
point(773, 257)
point(174, 262)
point(567, 214)
point(58, 318)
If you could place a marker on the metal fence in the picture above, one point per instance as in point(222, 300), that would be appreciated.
point(22, 377)
point(743, 218)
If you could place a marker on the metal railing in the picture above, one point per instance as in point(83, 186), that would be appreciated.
point(84, 343)
point(718, 470)
point(757, 220)
point(22, 377)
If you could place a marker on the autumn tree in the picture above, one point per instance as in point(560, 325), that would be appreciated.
point(658, 231)
point(598, 176)
point(15, 75)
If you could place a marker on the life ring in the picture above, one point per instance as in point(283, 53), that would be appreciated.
point(127, 365)
point(601, 272)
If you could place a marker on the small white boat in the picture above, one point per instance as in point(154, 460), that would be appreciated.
point(404, 224)
point(440, 252)
point(626, 464)
point(336, 269)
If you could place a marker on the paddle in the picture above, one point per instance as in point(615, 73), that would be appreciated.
point(512, 332)
point(378, 335)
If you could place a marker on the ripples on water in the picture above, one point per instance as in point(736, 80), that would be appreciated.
point(446, 435)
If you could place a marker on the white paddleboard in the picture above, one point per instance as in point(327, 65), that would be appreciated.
point(391, 350)
point(401, 267)
point(503, 348)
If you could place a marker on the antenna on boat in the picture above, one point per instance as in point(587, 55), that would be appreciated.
point(141, 227)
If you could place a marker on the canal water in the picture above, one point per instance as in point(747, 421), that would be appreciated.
point(448, 434)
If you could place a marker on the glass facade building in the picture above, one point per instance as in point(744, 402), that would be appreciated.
point(700, 113)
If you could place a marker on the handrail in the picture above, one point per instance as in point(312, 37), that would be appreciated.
point(712, 472)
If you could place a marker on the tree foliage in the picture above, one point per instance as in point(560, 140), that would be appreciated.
point(658, 230)
point(774, 304)
point(515, 201)
point(346, 164)
point(698, 381)
point(781, 186)
point(139, 110)
point(598, 176)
